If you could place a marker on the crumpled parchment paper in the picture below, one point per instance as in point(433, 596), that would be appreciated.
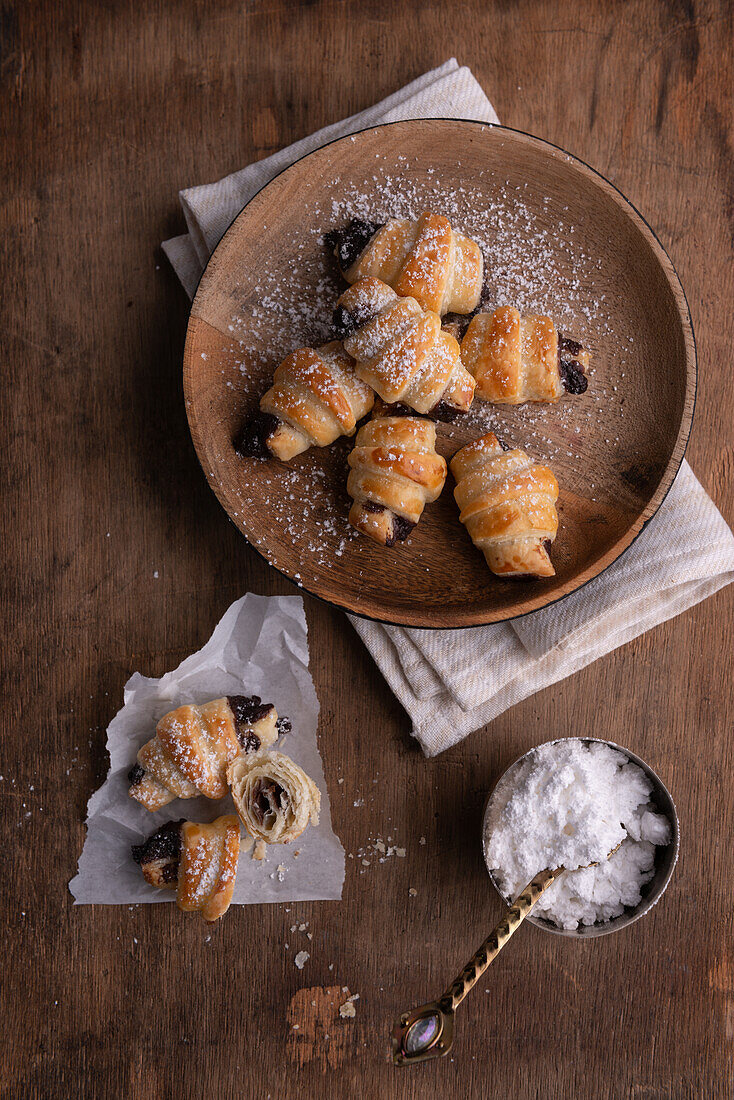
point(259, 647)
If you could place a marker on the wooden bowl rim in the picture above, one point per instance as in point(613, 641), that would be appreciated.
point(620, 547)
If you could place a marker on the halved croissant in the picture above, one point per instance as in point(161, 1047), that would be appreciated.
point(315, 398)
point(274, 798)
point(394, 472)
point(516, 359)
point(198, 861)
point(423, 259)
point(508, 505)
point(401, 351)
point(194, 744)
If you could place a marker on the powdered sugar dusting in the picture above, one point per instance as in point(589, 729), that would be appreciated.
point(551, 271)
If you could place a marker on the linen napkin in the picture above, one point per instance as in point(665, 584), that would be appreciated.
point(452, 682)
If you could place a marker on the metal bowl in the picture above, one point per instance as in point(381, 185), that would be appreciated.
point(665, 857)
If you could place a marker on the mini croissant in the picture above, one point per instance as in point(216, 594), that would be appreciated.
point(198, 861)
point(423, 259)
point(508, 505)
point(274, 798)
point(516, 359)
point(394, 472)
point(193, 746)
point(401, 351)
point(315, 398)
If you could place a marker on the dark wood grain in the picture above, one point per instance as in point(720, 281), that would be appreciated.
point(106, 111)
point(633, 424)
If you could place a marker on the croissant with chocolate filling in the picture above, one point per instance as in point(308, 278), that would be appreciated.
point(194, 744)
point(423, 259)
point(401, 351)
point(274, 798)
point(508, 505)
point(394, 473)
point(315, 398)
point(198, 861)
point(516, 359)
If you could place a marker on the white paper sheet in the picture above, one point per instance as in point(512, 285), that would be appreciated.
point(259, 647)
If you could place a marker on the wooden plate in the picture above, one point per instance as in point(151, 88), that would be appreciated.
point(557, 239)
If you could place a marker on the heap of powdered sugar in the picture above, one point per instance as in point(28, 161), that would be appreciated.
point(569, 804)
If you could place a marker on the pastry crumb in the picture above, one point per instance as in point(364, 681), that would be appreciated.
point(348, 1010)
point(422, 840)
point(413, 892)
point(258, 852)
point(301, 959)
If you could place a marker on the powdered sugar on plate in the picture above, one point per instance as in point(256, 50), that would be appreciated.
point(530, 266)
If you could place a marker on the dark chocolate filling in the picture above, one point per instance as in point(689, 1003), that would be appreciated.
point(284, 725)
point(246, 710)
point(165, 844)
point(398, 409)
point(503, 445)
point(572, 376)
point(569, 346)
point(444, 412)
point(348, 321)
point(350, 241)
point(268, 797)
point(460, 321)
point(135, 775)
point(441, 411)
point(401, 527)
point(344, 322)
point(251, 441)
point(572, 373)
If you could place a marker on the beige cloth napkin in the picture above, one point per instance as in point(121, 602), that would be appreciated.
point(454, 681)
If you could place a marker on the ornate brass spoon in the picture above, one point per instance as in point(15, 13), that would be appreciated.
point(428, 1031)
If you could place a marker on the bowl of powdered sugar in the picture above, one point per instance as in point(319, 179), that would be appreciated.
point(569, 803)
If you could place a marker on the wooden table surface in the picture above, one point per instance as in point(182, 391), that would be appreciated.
point(119, 558)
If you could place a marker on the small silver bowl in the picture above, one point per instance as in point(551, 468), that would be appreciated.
point(665, 857)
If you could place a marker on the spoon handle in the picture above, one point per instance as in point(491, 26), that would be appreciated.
point(497, 939)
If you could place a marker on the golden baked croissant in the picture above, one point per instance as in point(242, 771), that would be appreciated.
point(274, 798)
point(394, 472)
point(508, 505)
point(315, 398)
point(401, 351)
point(198, 861)
point(423, 259)
point(194, 744)
point(516, 359)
